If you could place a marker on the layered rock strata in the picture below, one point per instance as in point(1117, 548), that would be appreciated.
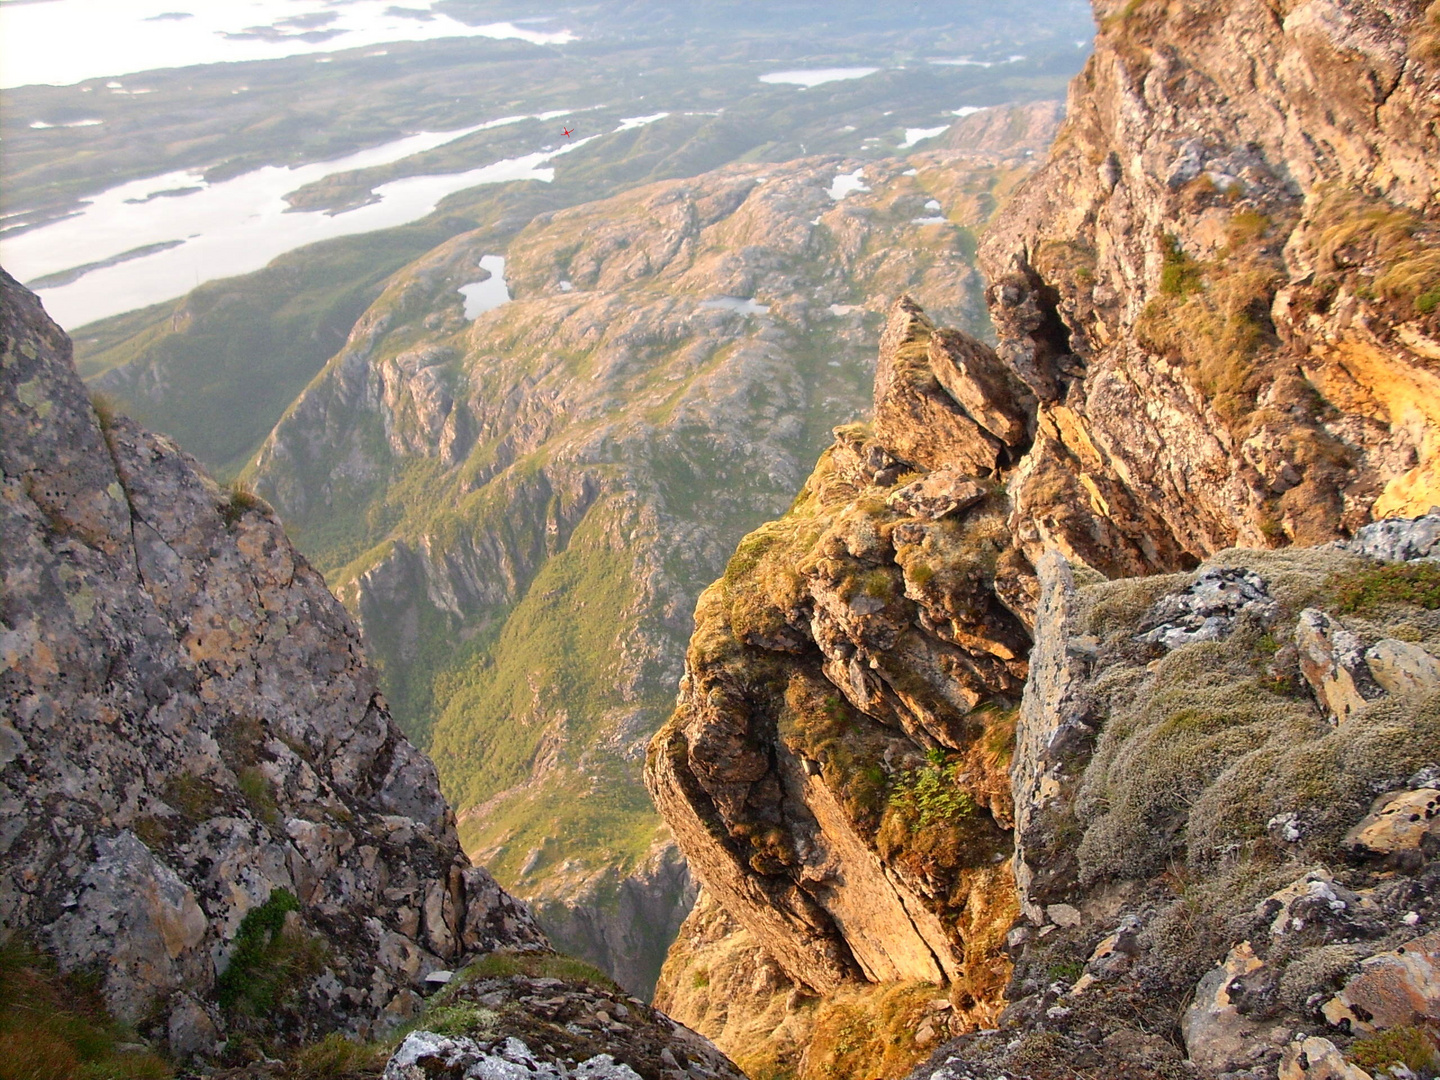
point(1217, 317)
point(190, 735)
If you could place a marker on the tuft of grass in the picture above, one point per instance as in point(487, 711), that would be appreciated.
point(1215, 316)
point(871, 1033)
point(337, 1058)
point(1385, 252)
point(193, 797)
point(255, 787)
point(270, 962)
point(459, 1018)
point(1000, 735)
point(240, 502)
point(1425, 37)
point(1416, 584)
point(1180, 275)
point(54, 1027)
point(106, 409)
point(500, 965)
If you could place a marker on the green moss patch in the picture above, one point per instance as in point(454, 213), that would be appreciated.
point(1412, 1047)
point(1416, 584)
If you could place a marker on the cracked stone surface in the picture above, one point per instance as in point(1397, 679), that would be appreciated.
point(189, 725)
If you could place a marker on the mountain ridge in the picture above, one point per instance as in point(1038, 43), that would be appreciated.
point(1214, 327)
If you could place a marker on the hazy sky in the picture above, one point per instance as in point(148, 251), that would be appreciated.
point(67, 41)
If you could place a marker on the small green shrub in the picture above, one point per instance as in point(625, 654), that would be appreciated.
point(1417, 584)
point(1408, 1046)
point(931, 795)
point(269, 962)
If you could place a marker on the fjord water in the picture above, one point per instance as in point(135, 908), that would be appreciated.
point(67, 41)
point(231, 227)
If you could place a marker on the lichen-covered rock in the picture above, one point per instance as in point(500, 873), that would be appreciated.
point(1398, 539)
point(1402, 668)
point(1400, 821)
point(1218, 1037)
point(1399, 988)
point(916, 419)
point(1186, 823)
point(1207, 609)
point(1334, 664)
point(191, 736)
point(503, 1025)
point(1318, 1059)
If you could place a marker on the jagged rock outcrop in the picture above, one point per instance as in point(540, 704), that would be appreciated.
point(835, 768)
point(190, 735)
point(1217, 316)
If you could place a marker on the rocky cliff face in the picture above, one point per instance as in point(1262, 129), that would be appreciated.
point(193, 745)
point(1222, 288)
point(1216, 307)
point(500, 500)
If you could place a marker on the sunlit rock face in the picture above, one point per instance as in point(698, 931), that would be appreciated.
point(1216, 309)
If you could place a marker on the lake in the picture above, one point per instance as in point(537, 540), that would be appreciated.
point(232, 227)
